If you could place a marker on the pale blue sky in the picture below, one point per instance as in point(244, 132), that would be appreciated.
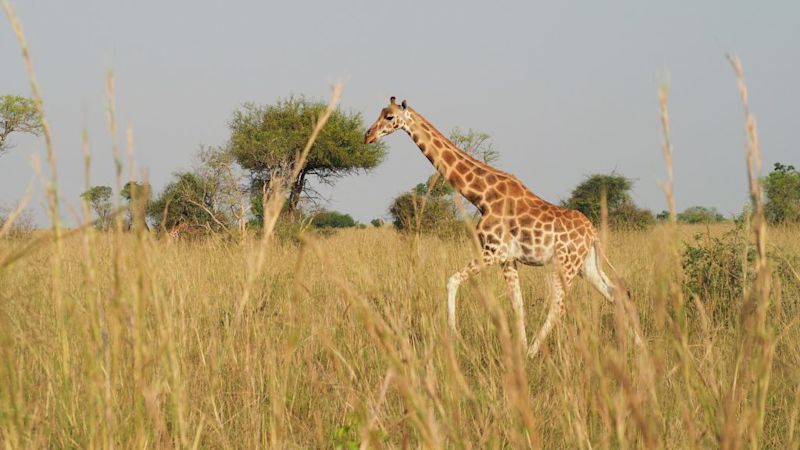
point(565, 88)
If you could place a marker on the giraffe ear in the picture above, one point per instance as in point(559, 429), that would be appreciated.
point(404, 105)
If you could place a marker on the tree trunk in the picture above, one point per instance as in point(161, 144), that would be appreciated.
point(295, 193)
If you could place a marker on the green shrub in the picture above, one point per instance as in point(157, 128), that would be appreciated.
point(700, 214)
point(718, 266)
point(332, 219)
point(419, 213)
point(622, 212)
point(717, 270)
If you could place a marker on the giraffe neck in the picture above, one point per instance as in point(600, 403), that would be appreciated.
point(466, 174)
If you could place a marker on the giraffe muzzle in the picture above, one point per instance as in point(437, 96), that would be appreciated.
point(369, 137)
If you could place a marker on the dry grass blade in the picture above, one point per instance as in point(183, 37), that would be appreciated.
point(666, 149)
point(757, 340)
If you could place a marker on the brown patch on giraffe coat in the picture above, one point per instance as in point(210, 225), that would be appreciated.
point(448, 157)
point(496, 207)
point(491, 179)
point(488, 238)
point(461, 167)
point(479, 171)
point(526, 221)
point(515, 189)
point(422, 146)
point(537, 232)
point(509, 207)
point(502, 188)
point(488, 222)
point(478, 184)
point(437, 143)
point(415, 137)
point(472, 196)
point(456, 180)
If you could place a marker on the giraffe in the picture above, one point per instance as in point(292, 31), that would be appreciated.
point(516, 226)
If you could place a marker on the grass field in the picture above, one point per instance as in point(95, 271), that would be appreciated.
point(128, 341)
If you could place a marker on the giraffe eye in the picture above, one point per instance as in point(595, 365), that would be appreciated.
point(389, 117)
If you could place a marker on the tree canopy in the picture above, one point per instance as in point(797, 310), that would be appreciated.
point(700, 214)
point(17, 114)
point(782, 189)
point(332, 219)
point(265, 140)
point(99, 198)
point(622, 212)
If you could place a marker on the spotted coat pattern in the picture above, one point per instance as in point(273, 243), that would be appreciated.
point(516, 226)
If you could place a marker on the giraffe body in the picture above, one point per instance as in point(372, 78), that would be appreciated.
point(516, 226)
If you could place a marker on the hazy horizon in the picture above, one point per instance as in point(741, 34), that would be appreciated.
point(564, 90)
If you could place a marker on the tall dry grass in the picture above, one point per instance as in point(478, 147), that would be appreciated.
point(345, 340)
point(123, 340)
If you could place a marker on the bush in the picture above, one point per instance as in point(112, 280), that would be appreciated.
point(782, 189)
point(718, 266)
point(717, 269)
point(630, 217)
point(622, 212)
point(700, 214)
point(416, 213)
point(332, 219)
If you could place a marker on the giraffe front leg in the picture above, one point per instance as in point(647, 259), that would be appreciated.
point(455, 281)
point(512, 279)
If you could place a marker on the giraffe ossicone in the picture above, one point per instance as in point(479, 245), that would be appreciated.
point(516, 226)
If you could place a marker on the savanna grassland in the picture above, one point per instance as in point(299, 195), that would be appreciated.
point(127, 340)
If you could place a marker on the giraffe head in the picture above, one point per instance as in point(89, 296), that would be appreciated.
point(391, 118)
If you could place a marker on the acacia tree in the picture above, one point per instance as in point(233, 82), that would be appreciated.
point(99, 198)
point(265, 140)
point(17, 114)
point(621, 209)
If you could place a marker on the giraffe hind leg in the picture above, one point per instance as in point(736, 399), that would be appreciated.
point(512, 279)
point(553, 315)
point(593, 272)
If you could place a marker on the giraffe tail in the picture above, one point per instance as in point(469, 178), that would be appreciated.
point(619, 282)
point(602, 254)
